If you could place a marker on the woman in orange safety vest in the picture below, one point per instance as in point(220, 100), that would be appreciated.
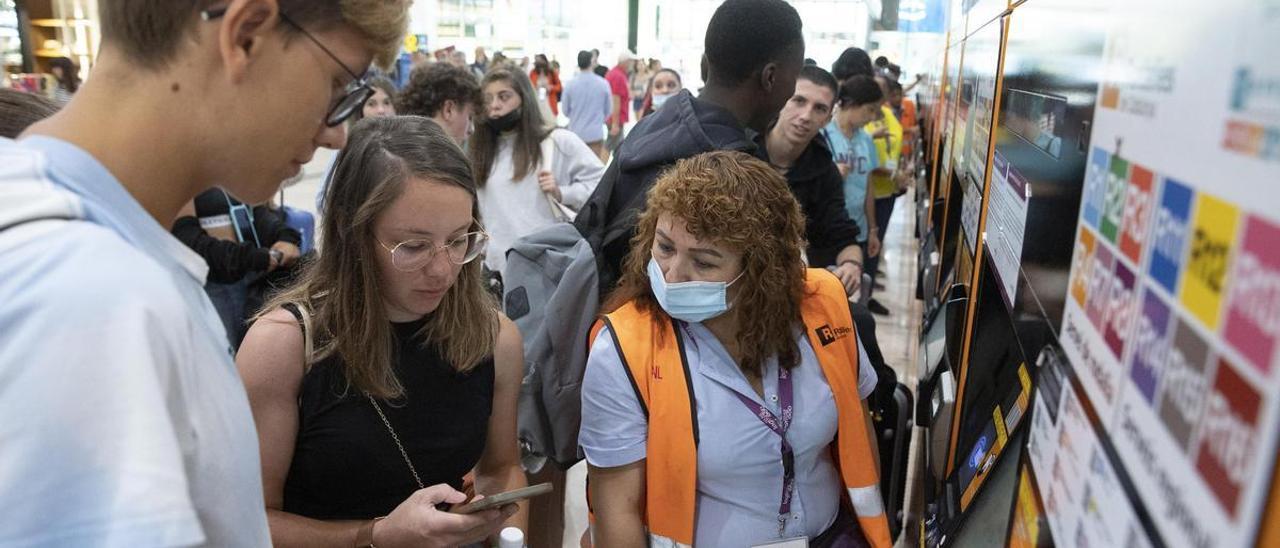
point(722, 402)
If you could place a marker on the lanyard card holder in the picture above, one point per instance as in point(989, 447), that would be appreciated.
point(242, 218)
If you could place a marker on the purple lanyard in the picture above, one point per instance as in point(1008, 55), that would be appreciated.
point(779, 427)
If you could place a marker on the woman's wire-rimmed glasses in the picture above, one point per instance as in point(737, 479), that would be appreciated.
point(411, 255)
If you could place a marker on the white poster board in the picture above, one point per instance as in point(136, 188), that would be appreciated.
point(1173, 319)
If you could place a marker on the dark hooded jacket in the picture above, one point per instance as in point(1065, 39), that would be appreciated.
point(684, 127)
point(816, 183)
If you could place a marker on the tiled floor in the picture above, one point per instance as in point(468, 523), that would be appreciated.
point(897, 333)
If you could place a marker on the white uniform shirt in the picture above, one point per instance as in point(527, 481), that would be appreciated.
point(125, 422)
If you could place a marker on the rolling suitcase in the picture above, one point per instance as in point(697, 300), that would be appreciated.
point(893, 423)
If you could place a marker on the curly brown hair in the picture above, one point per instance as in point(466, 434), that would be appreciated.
point(739, 202)
point(430, 86)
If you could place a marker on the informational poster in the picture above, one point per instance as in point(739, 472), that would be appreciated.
point(1051, 381)
point(1006, 224)
point(1060, 459)
point(1084, 502)
point(1172, 323)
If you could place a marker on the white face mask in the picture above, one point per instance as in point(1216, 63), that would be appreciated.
point(659, 99)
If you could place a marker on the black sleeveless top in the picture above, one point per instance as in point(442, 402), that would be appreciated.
point(346, 464)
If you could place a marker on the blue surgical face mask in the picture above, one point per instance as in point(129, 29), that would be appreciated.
point(689, 301)
point(659, 99)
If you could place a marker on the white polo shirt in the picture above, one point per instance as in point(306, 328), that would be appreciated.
point(123, 421)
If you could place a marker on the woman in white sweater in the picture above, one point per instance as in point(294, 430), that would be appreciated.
point(521, 160)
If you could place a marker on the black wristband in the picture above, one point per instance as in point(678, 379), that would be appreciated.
point(852, 262)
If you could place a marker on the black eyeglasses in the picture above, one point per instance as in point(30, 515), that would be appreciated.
point(354, 95)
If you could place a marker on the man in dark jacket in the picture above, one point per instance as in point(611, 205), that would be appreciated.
point(791, 146)
point(245, 262)
point(754, 51)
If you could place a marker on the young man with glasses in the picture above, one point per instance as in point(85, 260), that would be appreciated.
point(125, 420)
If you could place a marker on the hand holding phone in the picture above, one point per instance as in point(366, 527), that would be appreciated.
point(418, 521)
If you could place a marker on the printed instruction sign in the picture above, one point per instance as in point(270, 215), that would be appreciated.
point(1084, 503)
point(1173, 317)
point(1007, 224)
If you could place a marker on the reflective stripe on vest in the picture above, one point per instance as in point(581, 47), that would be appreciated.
point(653, 356)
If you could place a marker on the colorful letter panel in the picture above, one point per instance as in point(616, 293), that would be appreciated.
point(1095, 186)
point(1253, 315)
point(1120, 309)
point(1185, 383)
point(1100, 281)
point(1211, 239)
point(1082, 270)
point(1117, 183)
point(1229, 435)
point(1170, 234)
point(1151, 345)
point(1137, 213)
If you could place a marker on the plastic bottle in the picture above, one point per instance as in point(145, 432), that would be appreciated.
point(511, 537)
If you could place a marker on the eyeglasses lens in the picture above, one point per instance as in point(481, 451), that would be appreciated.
point(414, 254)
point(356, 94)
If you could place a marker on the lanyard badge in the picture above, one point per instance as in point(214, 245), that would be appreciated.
point(780, 425)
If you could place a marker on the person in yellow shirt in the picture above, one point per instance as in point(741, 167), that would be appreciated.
point(887, 134)
point(886, 130)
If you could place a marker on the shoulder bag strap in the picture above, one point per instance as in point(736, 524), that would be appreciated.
point(304, 321)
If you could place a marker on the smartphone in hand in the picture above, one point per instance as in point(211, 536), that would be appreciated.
point(502, 499)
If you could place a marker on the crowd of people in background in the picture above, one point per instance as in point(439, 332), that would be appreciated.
point(721, 219)
point(637, 86)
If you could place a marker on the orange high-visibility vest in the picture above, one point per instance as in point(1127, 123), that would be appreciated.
point(659, 371)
